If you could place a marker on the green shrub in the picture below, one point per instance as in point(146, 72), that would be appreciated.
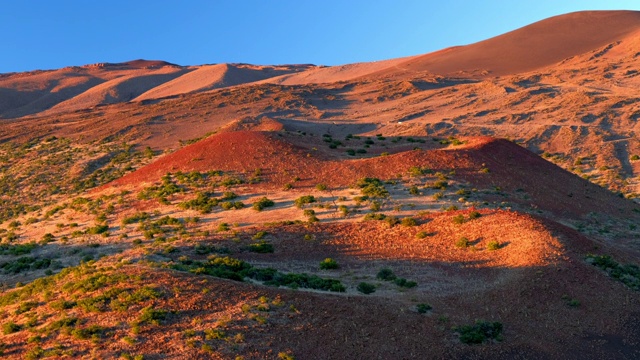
point(98, 229)
point(321, 187)
point(234, 269)
point(409, 221)
point(386, 274)
point(47, 238)
point(344, 210)
point(366, 288)
point(493, 245)
point(303, 200)
point(26, 306)
point(402, 282)
point(229, 205)
point(17, 249)
point(474, 215)
point(259, 235)
point(10, 327)
point(418, 171)
point(135, 218)
point(628, 274)
point(392, 221)
point(413, 190)
point(374, 216)
point(423, 308)
point(62, 305)
point(25, 263)
point(223, 227)
point(422, 235)
point(203, 203)
point(328, 264)
point(458, 219)
point(372, 187)
point(151, 316)
point(462, 242)
point(262, 203)
point(91, 332)
point(480, 332)
point(229, 195)
point(262, 247)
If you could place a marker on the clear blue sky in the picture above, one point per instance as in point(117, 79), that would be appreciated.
point(43, 34)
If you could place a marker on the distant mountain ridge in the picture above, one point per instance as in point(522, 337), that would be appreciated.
point(532, 47)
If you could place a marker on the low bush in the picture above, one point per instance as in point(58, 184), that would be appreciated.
point(98, 229)
point(304, 200)
point(366, 288)
point(136, 218)
point(628, 274)
point(234, 269)
point(10, 327)
point(150, 315)
point(328, 264)
point(423, 308)
point(374, 216)
point(262, 247)
point(386, 274)
point(203, 203)
point(402, 282)
point(392, 221)
point(262, 203)
point(409, 221)
point(462, 242)
point(479, 332)
point(91, 332)
point(474, 215)
point(458, 219)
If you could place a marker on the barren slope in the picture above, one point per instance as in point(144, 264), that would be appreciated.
point(208, 77)
point(529, 48)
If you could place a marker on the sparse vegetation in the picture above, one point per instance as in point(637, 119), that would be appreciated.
point(304, 200)
point(479, 332)
point(234, 269)
point(263, 203)
point(463, 242)
point(366, 288)
point(329, 264)
point(628, 274)
point(386, 274)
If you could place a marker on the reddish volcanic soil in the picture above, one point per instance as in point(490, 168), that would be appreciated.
point(486, 227)
point(510, 167)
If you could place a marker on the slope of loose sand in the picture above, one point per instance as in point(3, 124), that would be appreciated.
point(121, 89)
point(532, 47)
point(338, 73)
point(208, 77)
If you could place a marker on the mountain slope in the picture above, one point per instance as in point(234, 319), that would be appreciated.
point(532, 47)
point(209, 77)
